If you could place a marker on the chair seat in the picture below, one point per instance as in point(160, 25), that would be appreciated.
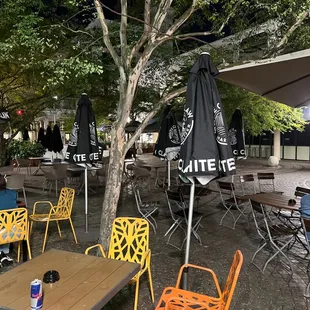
point(44, 217)
point(181, 213)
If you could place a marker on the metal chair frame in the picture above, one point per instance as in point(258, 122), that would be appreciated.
point(270, 235)
point(228, 189)
point(247, 179)
point(266, 179)
point(180, 217)
point(60, 212)
point(146, 209)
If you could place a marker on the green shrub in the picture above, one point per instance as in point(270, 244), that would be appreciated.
point(25, 149)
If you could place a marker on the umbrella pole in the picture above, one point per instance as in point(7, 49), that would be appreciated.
point(189, 233)
point(86, 201)
point(169, 175)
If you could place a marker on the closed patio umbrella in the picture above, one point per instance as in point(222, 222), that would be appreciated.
point(41, 136)
point(4, 116)
point(168, 142)
point(83, 146)
point(25, 135)
point(205, 148)
point(236, 134)
point(48, 138)
point(57, 144)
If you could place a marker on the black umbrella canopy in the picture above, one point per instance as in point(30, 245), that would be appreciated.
point(57, 141)
point(48, 138)
point(4, 116)
point(168, 142)
point(25, 135)
point(236, 134)
point(41, 137)
point(83, 144)
point(205, 148)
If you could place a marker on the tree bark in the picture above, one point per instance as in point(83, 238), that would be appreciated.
point(113, 185)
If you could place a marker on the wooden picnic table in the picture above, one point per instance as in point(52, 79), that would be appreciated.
point(86, 282)
point(275, 200)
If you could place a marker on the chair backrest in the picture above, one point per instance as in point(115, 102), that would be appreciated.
point(265, 181)
point(247, 184)
point(15, 181)
point(129, 239)
point(13, 225)
point(260, 218)
point(65, 202)
point(301, 191)
point(227, 189)
point(232, 279)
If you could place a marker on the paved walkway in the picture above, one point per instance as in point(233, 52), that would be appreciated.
point(276, 289)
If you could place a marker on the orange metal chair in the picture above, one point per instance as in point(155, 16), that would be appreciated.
point(130, 242)
point(60, 212)
point(175, 298)
point(14, 227)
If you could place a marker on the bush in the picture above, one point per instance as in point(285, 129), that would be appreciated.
point(25, 149)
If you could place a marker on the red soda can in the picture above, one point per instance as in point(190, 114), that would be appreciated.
point(36, 296)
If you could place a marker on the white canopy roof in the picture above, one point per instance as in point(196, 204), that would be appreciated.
point(285, 78)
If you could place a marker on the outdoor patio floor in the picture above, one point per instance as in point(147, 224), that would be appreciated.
point(276, 289)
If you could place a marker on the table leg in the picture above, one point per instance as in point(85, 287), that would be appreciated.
point(25, 250)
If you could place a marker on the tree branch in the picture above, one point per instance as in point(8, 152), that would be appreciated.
point(105, 31)
point(151, 114)
point(161, 15)
point(181, 20)
point(146, 31)
point(299, 20)
point(123, 34)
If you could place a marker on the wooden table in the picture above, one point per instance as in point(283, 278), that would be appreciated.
point(86, 282)
point(273, 200)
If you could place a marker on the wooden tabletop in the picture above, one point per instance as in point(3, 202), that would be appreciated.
point(274, 200)
point(86, 282)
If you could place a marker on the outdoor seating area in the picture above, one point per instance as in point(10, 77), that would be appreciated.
point(267, 243)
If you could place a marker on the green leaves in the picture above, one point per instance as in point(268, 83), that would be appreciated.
point(259, 113)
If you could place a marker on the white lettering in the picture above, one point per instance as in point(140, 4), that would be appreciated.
point(83, 157)
point(211, 165)
point(203, 164)
point(67, 155)
point(196, 166)
point(222, 165)
point(235, 152)
point(189, 168)
point(231, 164)
point(242, 152)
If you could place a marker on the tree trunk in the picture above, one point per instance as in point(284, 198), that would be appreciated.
point(3, 150)
point(113, 185)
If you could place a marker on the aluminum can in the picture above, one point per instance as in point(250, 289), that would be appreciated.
point(36, 296)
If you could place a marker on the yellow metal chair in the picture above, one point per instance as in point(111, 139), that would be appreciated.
point(130, 242)
point(60, 212)
point(14, 228)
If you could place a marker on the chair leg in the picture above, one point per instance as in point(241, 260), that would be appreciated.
point(29, 250)
point(59, 231)
point(30, 229)
point(150, 280)
point(137, 293)
point(45, 236)
point(18, 251)
point(73, 231)
point(24, 192)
